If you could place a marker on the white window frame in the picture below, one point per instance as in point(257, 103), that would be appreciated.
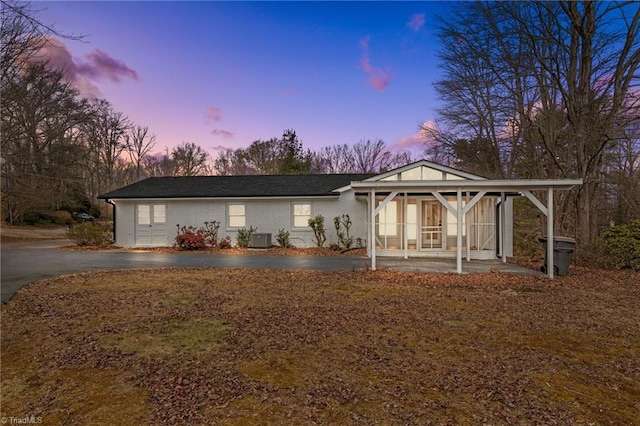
point(231, 216)
point(305, 218)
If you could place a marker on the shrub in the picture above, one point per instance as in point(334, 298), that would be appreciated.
point(317, 225)
point(244, 236)
point(90, 234)
point(58, 217)
point(225, 243)
point(211, 233)
point(190, 238)
point(619, 246)
point(283, 238)
point(343, 222)
point(47, 217)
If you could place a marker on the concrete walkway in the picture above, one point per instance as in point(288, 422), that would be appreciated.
point(29, 261)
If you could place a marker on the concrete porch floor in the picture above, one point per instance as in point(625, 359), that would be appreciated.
point(438, 266)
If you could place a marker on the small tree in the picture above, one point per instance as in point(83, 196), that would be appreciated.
point(317, 225)
point(343, 222)
point(244, 236)
point(211, 232)
point(283, 238)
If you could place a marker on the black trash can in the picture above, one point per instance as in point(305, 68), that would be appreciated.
point(563, 248)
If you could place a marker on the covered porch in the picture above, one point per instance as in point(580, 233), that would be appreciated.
point(458, 198)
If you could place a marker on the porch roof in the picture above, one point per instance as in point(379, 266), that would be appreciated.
point(482, 187)
point(489, 185)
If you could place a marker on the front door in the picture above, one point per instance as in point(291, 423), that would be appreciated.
point(151, 225)
point(431, 226)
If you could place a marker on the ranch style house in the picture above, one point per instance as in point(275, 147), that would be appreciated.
point(423, 209)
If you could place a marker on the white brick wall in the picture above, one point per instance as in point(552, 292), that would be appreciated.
point(267, 215)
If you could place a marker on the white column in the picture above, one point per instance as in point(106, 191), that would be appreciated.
point(550, 232)
point(503, 226)
point(468, 227)
point(459, 232)
point(406, 226)
point(372, 204)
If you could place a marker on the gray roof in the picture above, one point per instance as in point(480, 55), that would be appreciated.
point(236, 186)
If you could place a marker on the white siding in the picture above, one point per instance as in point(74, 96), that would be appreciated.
point(267, 215)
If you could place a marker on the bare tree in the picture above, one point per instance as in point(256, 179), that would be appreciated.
point(372, 157)
point(158, 165)
point(189, 159)
point(106, 142)
point(138, 144)
point(275, 156)
point(337, 159)
point(231, 163)
point(22, 36)
point(40, 148)
point(544, 84)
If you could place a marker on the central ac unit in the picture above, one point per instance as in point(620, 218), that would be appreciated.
point(260, 241)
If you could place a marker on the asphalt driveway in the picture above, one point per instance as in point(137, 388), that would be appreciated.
point(29, 261)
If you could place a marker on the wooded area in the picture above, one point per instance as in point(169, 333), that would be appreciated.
point(546, 90)
point(540, 90)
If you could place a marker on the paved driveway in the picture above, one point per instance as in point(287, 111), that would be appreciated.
point(25, 262)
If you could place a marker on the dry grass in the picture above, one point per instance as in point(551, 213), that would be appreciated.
point(212, 346)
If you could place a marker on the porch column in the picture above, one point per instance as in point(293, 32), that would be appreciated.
point(406, 226)
point(468, 227)
point(372, 211)
point(550, 232)
point(503, 226)
point(459, 232)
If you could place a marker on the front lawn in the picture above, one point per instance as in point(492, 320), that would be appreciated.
point(231, 346)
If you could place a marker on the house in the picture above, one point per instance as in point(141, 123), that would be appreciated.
point(423, 209)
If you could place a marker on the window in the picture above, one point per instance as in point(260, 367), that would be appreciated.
point(301, 215)
point(388, 220)
point(237, 216)
point(159, 215)
point(144, 214)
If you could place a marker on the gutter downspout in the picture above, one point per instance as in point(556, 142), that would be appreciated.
point(114, 217)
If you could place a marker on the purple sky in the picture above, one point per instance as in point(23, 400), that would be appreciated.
point(223, 74)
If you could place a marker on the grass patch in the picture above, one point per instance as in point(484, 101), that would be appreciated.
point(233, 346)
point(165, 337)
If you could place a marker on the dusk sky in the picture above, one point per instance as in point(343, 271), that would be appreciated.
point(223, 74)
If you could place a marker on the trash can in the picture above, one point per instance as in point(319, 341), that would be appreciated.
point(563, 248)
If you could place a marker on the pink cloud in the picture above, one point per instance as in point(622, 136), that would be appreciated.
point(212, 113)
point(99, 64)
point(378, 78)
point(82, 72)
point(416, 142)
point(416, 22)
point(223, 133)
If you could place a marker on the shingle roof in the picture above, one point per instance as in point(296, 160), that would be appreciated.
point(235, 186)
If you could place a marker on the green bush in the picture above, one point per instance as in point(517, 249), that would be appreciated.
point(284, 238)
point(244, 236)
point(619, 246)
point(90, 234)
point(317, 225)
point(343, 225)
